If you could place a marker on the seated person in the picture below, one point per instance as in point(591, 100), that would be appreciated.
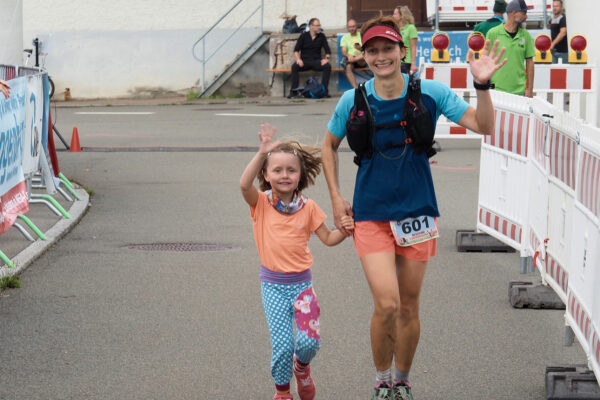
point(308, 55)
point(351, 46)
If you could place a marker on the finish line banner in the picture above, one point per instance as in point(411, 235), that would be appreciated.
point(13, 192)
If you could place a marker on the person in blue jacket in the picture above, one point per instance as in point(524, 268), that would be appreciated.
point(394, 202)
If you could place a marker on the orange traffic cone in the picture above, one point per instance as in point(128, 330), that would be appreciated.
point(75, 146)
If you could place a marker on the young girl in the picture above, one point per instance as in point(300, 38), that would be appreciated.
point(283, 220)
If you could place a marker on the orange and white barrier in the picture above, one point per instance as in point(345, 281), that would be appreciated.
point(539, 192)
point(552, 82)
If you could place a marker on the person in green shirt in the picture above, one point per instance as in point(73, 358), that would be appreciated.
point(514, 77)
point(497, 18)
point(351, 45)
point(408, 31)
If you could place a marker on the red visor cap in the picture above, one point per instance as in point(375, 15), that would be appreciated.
point(382, 31)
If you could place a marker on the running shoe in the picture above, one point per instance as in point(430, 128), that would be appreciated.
point(305, 383)
point(402, 391)
point(287, 396)
point(382, 392)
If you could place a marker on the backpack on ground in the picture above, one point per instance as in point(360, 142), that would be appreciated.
point(313, 89)
point(416, 122)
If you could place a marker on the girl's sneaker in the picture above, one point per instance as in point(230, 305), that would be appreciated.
point(305, 383)
point(402, 391)
point(287, 396)
point(382, 392)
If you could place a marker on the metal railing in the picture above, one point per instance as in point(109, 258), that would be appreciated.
point(202, 38)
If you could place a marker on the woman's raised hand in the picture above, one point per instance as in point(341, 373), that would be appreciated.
point(483, 68)
point(266, 134)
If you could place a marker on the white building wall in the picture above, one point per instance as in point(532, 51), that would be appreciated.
point(11, 31)
point(114, 48)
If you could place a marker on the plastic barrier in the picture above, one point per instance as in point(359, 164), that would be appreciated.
point(543, 199)
point(503, 162)
point(479, 10)
point(552, 82)
point(583, 307)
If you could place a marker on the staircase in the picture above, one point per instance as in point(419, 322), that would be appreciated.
point(211, 87)
point(232, 68)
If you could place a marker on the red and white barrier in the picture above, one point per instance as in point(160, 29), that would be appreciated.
point(584, 260)
point(504, 161)
point(543, 199)
point(479, 10)
point(552, 82)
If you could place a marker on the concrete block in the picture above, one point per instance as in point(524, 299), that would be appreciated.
point(469, 240)
point(569, 382)
point(533, 295)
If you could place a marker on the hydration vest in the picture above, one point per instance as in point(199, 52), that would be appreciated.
point(416, 122)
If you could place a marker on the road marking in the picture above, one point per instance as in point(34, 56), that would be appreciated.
point(116, 135)
point(250, 115)
point(114, 112)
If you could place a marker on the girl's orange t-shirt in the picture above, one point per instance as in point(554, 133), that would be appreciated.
point(282, 239)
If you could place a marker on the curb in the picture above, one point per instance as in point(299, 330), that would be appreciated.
point(54, 234)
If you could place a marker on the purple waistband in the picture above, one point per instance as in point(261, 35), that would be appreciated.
point(283, 278)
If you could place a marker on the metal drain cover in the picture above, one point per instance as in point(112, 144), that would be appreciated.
point(181, 247)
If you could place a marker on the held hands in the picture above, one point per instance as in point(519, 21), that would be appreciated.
point(347, 222)
point(266, 134)
point(4, 88)
point(487, 64)
point(342, 210)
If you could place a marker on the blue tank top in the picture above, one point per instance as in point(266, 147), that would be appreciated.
point(396, 183)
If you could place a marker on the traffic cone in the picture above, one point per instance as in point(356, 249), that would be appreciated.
point(75, 146)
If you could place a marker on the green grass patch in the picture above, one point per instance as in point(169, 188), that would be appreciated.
point(192, 95)
point(10, 282)
point(89, 191)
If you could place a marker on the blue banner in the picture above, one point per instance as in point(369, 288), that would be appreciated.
point(12, 131)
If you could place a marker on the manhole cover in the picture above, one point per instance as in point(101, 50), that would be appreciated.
point(181, 247)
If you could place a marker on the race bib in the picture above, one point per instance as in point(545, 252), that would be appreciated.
point(411, 231)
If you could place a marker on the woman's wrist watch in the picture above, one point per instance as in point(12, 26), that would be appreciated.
point(483, 86)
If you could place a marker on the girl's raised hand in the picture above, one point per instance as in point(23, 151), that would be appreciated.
point(266, 135)
point(488, 62)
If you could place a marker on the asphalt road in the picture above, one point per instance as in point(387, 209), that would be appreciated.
point(96, 319)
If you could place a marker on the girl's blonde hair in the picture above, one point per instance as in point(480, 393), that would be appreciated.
point(407, 15)
point(310, 163)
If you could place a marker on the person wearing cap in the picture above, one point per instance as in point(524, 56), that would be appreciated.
point(497, 18)
point(408, 30)
point(394, 184)
point(307, 53)
point(517, 76)
point(558, 31)
point(351, 45)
